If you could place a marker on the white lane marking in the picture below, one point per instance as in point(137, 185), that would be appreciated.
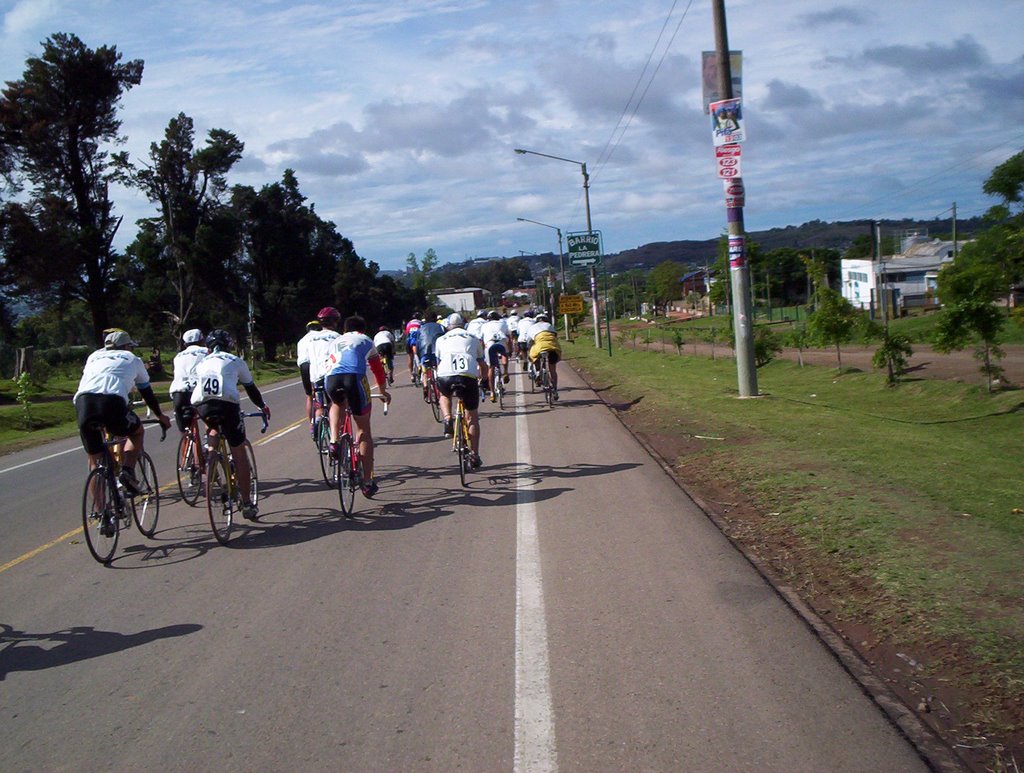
point(534, 721)
point(278, 434)
point(78, 448)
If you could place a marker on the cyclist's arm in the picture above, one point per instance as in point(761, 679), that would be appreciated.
point(254, 394)
point(377, 368)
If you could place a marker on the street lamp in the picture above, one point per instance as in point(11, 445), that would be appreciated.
point(561, 261)
point(586, 196)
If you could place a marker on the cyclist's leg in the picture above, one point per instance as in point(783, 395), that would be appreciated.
point(444, 400)
point(471, 400)
point(90, 418)
point(307, 387)
point(364, 437)
point(233, 427)
point(553, 369)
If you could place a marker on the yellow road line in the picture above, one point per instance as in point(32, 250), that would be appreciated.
point(173, 484)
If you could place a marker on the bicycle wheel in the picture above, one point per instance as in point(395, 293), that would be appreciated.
point(345, 476)
point(146, 505)
point(499, 386)
point(99, 521)
point(435, 402)
point(219, 502)
point(254, 478)
point(462, 444)
point(323, 445)
point(189, 472)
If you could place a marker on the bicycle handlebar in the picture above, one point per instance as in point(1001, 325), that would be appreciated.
point(381, 398)
point(253, 414)
point(163, 429)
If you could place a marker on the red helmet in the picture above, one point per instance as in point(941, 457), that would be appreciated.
point(328, 312)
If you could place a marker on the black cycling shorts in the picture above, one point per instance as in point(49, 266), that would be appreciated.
point(98, 411)
point(386, 350)
point(183, 410)
point(469, 386)
point(494, 351)
point(307, 385)
point(350, 387)
point(226, 417)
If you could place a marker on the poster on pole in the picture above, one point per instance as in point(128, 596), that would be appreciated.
point(727, 122)
point(709, 76)
point(727, 161)
point(737, 251)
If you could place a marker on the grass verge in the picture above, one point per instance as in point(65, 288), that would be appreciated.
point(898, 513)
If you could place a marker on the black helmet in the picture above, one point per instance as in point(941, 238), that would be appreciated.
point(220, 339)
point(494, 315)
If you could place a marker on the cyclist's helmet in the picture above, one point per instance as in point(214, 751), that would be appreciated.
point(494, 315)
point(220, 339)
point(529, 313)
point(382, 329)
point(193, 336)
point(329, 313)
point(116, 338)
point(453, 321)
point(313, 324)
point(542, 318)
point(482, 313)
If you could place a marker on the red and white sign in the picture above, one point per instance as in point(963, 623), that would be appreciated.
point(734, 193)
point(727, 160)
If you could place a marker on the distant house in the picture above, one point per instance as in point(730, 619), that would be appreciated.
point(696, 282)
point(463, 299)
point(911, 276)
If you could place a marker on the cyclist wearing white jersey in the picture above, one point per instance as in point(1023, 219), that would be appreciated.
point(184, 380)
point(101, 400)
point(217, 400)
point(460, 359)
point(302, 360)
point(318, 347)
point(494, 333)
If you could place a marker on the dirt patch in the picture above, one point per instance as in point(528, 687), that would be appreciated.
point(937, 680)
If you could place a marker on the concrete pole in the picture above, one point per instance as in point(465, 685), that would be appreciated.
point(739, 269)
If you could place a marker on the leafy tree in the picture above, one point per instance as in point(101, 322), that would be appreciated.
point(54, 122)
point(968, 313)
point(663, 283)
point(767, 343)
point(893, 355)
point(1007, 180)
point(187, 184)
point(833, 321)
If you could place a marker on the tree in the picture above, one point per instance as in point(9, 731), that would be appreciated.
point(663, 283)
point(967, 291)
point(1007, 180)
point(187, 185)
point(54, 123)
point(833, 321)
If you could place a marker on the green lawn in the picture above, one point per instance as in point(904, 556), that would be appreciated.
point(915, 492)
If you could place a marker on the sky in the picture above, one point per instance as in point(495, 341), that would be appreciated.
point(400, 117)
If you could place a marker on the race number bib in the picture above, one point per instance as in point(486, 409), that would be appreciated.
point(211, 386)
point(460, 363)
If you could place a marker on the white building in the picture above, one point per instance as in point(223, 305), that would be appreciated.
point(911, 276)
point(463, 299)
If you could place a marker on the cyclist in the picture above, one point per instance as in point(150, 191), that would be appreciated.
point(460, 358)
point(524, 333)
point(318, 347)
point(184, 380)
point(512, 320)
point(346, 382)
point(412, 328)
point(544, 338)
point(217, 400)
point(496, 344)
point(302, 360)
point(384, 343)
point(425, 341)
point(102, 400)
point(473, 328)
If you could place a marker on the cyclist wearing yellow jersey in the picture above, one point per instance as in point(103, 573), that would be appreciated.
point(545, 339)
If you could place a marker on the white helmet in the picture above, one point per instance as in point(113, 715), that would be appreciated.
point(193, 336)
point(453, 321)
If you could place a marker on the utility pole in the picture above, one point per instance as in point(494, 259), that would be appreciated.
point(739, 269)
point(954, 231)
point(883, 295)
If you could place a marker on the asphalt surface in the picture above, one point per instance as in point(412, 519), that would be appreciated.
point(569, 609)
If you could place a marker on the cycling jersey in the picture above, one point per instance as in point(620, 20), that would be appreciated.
point(513, 323)
point(427, 340)
point(545, 341)
point(302, 348)
point(474, 326)
point(112, 372)
point(318, 346)
point(383, 337)
point(350, 353)
point(218, 376)
point(185, 363)
point(494, 331)
point(412, 330)
point(457, 354)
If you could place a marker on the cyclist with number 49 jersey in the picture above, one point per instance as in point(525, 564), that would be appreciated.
point(217, 400)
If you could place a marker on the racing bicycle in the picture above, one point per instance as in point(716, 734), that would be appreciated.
point(223, 495)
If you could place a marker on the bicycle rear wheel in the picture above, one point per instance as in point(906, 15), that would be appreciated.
point(462, 445)
point(99, 522)
point(146, 504)
point(189, 471)
point(323, 445)
point(435, 402)
point(345, 476)
point(219, 501)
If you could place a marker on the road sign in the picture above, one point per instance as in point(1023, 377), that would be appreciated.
point(570, 304)
point(584, 248)
point(727, 159)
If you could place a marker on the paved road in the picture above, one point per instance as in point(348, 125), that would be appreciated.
point(569, 609)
